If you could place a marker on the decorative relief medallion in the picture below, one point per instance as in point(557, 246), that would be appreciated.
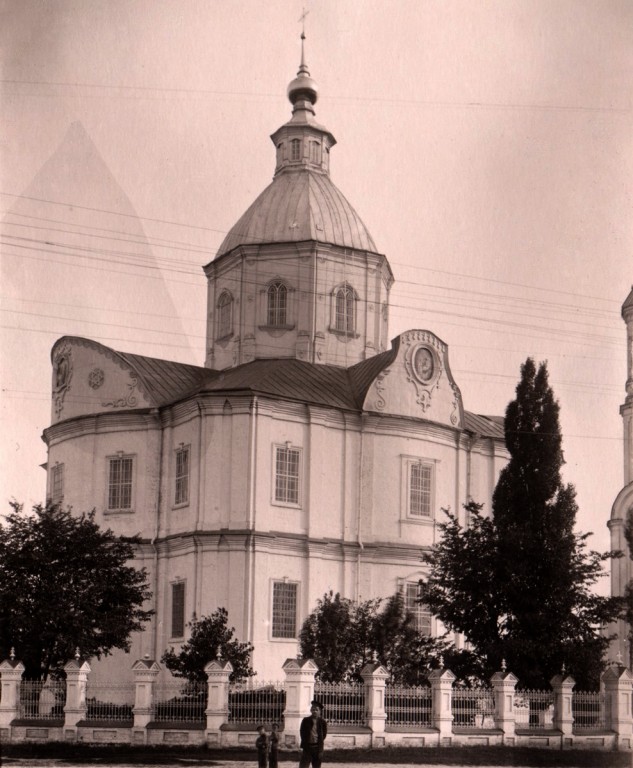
point(96, 378)
point(423, 364)
point(62, 375)
point(129, 400)
point(380, 388)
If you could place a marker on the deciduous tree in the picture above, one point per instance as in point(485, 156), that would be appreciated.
point(64, 584)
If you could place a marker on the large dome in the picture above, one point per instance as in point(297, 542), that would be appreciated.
point(300, 205)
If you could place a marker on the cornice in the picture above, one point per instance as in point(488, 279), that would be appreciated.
point(102, 423)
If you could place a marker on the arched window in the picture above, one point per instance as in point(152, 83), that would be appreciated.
point(295, 149)
point(225, 315)
point(345, 310)
point(277, 303)
point(315, 152)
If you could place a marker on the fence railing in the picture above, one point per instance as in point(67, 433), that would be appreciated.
point(261, 703)
point(182, 702)
point(107, 701)
point(473, 708)
point(408, 706)
point(343, 703)
point(534, 709)
point(588, 710)
point(42, 701)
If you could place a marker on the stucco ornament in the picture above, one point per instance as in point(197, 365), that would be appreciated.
point(423, 364)
point(129, 400)
point(96, 378)
point(62, 375)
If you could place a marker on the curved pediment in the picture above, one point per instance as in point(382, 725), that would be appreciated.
point(417, 383)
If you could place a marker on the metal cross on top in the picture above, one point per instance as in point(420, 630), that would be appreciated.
point(302, 19)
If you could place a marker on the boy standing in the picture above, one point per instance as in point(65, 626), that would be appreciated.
point(261, 745)
point(274, 747)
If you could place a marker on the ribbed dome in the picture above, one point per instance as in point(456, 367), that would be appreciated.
point(300, 205)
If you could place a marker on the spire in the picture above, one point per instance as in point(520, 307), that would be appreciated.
point(303, 90)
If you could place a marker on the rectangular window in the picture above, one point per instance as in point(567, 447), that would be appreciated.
point(419, 610)
point(287, 462)
point(178, 609)
point(182, 476)
point(420, 481)
point(120, 483)
point(284, 620)
point(57, 483)
point(295, 149)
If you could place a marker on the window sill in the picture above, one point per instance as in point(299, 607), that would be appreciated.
point(280, 327)
point(182, 505)
point(226, 337)
point(287, 504)
point(118, 512)
point(418, 520)
point(344, 334)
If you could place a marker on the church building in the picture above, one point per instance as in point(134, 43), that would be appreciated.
point(309, 453)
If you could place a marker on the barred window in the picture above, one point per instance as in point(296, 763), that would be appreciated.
point(295, 149)
point(57, 484)
point(420, 612)
point(120, 483)
point(345, 314)
point(284, 619)
point(182, 476)
point(225, 314)
point(277, 303)
point(420, 479)
point(287, 474)
point(178, 609)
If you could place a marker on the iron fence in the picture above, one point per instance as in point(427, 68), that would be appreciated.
point(261, 703)
point(534, 709)
point(473, 708)
point(343, 703)
point(42, 700)
point(183, 702)
point(588, 710)
point(109, 701)
point(408, 706)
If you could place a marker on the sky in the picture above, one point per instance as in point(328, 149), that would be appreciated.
point(487, 146)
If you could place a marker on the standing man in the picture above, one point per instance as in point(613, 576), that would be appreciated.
point(312, 731)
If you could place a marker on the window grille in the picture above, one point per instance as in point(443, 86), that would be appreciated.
point(57, 483)
point(295, 149)
point(287, 475)
point(345, 319)
point(277, 303)
point(225, 311)
point(420, 477)
point(120, 483)
point(419, 611)
point(178, 609)
point(284, 619)
point(182, 476)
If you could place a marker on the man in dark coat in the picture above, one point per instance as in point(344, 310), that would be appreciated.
point(312, 731)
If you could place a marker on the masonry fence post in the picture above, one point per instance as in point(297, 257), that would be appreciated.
point(217, 711)
point(563, 714)
point(375, 678)
point(10, 677)
point(77, 672)
point(145, 673)
point(618, 684)
point(441, 681)
point(299, 694)
point(504, 684)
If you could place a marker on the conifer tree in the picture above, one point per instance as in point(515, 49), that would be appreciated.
point(533, 605)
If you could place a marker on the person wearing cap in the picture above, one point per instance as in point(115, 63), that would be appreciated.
point(312, 731)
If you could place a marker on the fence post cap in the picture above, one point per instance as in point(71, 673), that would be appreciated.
point(562, 680)
point(12, 664)
point(374, 670)
point(442, 674)
point(300, 664)
point(77, 666)
point(142, 664)
point(615, 672)
point(503, 676)
point(218, 666)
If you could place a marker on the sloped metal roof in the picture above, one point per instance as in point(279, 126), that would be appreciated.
point(300, 205)
point(486, 426)
point(164, 380)
point(628, 302)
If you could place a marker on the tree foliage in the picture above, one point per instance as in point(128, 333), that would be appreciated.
point(211, 639)
point(519, 586)
point(66, 584)
point(342, 636)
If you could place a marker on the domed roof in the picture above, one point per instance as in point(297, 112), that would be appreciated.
point(296, 206)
